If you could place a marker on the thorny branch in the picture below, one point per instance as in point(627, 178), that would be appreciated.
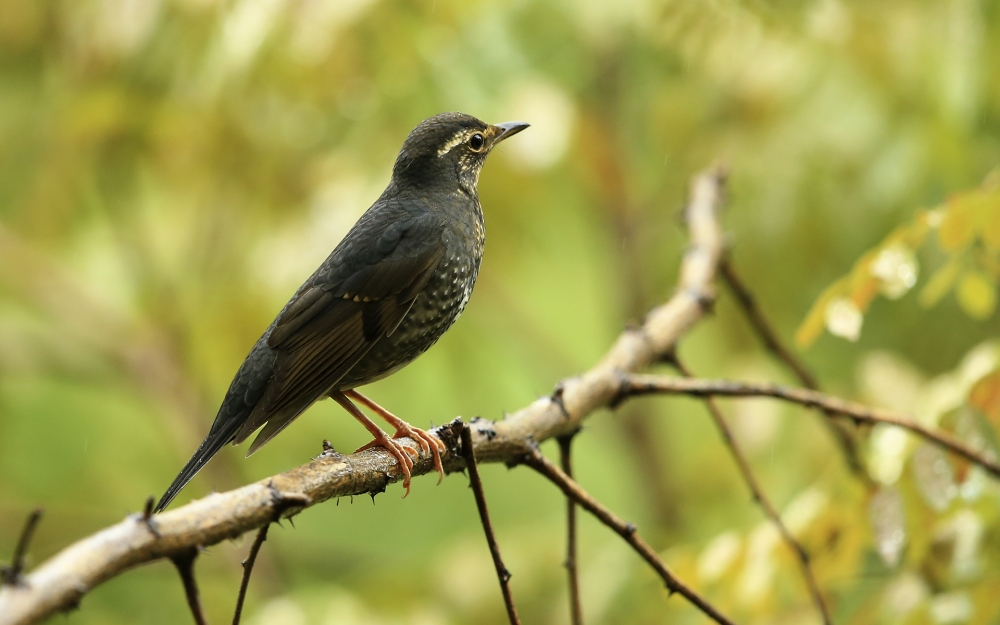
point(503, 575)
point(64, 579)
point(627, 531)
point(566, 460)
point(762, 500)
point(631, 384)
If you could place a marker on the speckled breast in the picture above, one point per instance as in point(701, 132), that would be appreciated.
point(434, 310)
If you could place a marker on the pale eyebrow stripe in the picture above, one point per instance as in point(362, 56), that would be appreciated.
point(456, 140)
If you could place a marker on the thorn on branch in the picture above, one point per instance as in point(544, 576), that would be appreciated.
point(285, 504)
point(503, 575)
point(147, 518)
point(557, 398)
point(11, 575)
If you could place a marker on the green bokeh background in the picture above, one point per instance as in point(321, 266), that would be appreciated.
point(170, 171)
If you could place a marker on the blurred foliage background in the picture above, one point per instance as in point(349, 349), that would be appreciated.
point(170, 170)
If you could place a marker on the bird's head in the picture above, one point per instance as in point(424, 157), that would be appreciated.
point(449, 149)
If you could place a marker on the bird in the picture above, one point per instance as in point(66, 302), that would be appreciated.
point(394, 284)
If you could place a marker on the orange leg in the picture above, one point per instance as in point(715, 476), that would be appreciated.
point(427, 441)
point(381, 438)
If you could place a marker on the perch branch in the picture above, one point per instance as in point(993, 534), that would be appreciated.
point(503, 575)
point(762, 500)
point(859, 413)
point(627, 531)
point(575, 605)
point(61, 582)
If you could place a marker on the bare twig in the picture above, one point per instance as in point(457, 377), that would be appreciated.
point(762, 500)
point(763, 327)
point(60, 582)
point(503, 575)
point(258, 541)
point(859, 413)
point(184, 561)
point(765, 332)
point(627, 531)
point(12, 574)
point(566, 460)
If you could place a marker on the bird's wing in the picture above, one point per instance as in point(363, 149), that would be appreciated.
point(363, 294)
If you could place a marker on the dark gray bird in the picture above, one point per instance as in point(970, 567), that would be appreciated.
point(386, 293)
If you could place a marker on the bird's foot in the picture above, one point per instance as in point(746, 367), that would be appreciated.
point(397, 449)
point(426, 440)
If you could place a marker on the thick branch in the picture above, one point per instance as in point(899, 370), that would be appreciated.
point(762, 500)
point(60, 582)
point(651, 384)
point(627, 531)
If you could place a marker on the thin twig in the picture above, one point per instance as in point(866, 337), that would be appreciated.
point(763, 327)
point(859, 413)
point(627, 531)
point(247, 570)
point(184, 561)
point(765, 504)
point(503, 575)
point(575, 605)
point(765, 332)
point(12, 574)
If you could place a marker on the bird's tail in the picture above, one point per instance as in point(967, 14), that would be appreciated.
point(208, 448)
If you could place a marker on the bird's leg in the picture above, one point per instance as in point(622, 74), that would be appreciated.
point(381, 438)
point(426, 440)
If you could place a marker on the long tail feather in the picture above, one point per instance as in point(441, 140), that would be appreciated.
point(208, 448)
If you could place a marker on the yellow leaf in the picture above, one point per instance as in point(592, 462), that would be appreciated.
point(940, 282)
point(977, 294)
point(814, 323)
point(864, 292)
point(958, 224)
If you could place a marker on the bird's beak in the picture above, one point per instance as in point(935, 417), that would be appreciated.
point(509, 129)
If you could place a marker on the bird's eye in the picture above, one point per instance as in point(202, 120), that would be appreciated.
point(476, 142)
